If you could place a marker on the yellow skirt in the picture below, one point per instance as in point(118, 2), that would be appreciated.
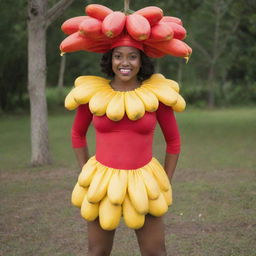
point(110, 193)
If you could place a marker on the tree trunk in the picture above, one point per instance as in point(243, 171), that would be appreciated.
point(157, 66)
point(126, 6)
point(37, 82)
point(179, 75)
point(215, 52)
point(211, 87)
point(39, 18)
point(62, 72)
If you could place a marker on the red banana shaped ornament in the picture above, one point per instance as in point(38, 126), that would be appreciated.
point(174, 47)
point(138, 27)
point(172, 19)
point(153, 52)
point(113, 24)
point(160, 32)
point(152, 13)
point(179, 32)
point(97, 11)
point(91, 27)
point(71, 25)
point(78, 42)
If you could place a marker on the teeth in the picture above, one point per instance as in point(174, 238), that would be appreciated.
point(124, 70)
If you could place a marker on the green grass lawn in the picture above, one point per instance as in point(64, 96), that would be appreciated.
point(214, 189)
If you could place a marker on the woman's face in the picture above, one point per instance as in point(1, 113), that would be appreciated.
point(126, 63)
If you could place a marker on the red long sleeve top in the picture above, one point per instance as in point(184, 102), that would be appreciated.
point(126, 144)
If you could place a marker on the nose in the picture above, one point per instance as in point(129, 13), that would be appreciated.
point(125, 62)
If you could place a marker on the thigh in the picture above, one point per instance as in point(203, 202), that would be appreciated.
point(151, 237)
point(100, 241)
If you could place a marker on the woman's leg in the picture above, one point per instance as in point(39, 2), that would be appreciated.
point(100, 241)
point(151, 237)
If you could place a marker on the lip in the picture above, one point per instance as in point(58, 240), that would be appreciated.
point(125, 71)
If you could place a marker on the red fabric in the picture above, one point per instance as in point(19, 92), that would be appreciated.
point(126, 40)
point(168, 124)
point(126, 144)
point(80, 126)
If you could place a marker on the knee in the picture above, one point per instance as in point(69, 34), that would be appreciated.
point(99, 250)
point(153, 250)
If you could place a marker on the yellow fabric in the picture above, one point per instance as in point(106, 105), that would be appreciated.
point(103, 99)
point(109, 193)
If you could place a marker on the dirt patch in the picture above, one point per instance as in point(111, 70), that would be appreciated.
point(215, 175)
point(30, 174)
point(37, 218)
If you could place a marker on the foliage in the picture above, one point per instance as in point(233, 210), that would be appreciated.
point(13, 61)
point(234, 69)
point(242, 68)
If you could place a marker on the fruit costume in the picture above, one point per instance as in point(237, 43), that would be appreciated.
point(123, 178)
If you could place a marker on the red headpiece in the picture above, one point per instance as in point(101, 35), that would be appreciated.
point(146, 29)
point(126, 40)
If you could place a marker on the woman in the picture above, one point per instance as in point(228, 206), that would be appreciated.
point(124, 143)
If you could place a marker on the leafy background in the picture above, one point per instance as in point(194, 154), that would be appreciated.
point(221, 32)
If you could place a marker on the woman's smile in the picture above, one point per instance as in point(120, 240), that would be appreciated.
point(125, 71)
point(126, 63)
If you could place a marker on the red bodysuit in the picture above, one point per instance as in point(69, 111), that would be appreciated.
point(126, 144)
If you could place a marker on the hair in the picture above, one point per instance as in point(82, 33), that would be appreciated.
point(146, 70)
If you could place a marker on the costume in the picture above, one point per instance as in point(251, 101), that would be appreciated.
point(123, 178)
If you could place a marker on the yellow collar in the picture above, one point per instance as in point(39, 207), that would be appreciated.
point(103, 99)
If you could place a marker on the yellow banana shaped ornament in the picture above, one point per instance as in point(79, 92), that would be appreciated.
point(158, 207)
point(109, 214)
point(115, 109)
point(164, 93)
point(149, 99)
point(99, 102)
point(131, 217)
point(180, 105)
point(70, 102)
point(78, 195)
point(98, 187)
point(168, 196)
point(173, 84)
point(137, 192)
point(118, 186)
point(160, 176)
point(134, 107)
point(87, 173)
point(90, 80)
point(150, 184)
point(89, 211)
point(154, 78)
point(82, 94)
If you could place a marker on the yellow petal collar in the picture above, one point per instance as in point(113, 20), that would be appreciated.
point(103, 99)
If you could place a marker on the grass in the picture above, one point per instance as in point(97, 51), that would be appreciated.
point(214, 189)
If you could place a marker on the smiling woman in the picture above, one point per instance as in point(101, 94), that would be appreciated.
point(126, 64)
point(146, 64)
point(123, 178)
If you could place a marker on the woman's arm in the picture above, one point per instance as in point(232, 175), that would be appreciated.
point(82, 155)
point(169, 127)
point(80, 126)
point(170, 164)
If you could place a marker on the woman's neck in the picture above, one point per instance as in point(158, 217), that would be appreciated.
point(119, 85)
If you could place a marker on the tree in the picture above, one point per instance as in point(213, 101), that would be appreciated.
point(219, 28)
point(61, 73)
point(39, 18)
point(13, 54)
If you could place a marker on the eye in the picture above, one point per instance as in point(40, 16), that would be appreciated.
point(133, 56)
point(116, 56)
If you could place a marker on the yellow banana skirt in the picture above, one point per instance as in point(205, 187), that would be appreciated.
point(110, 193)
